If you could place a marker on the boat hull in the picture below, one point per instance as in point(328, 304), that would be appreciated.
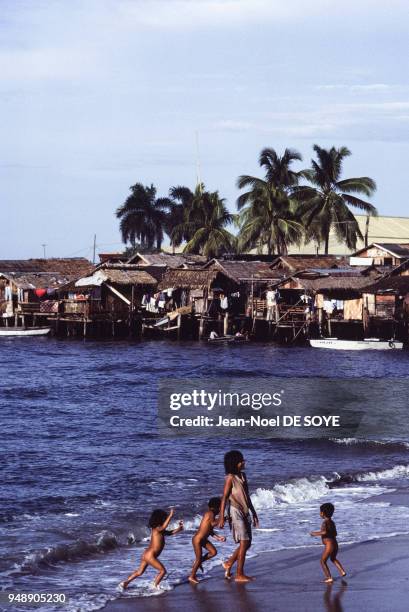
point(227, 340)
point(356, 345)
point(23, 332)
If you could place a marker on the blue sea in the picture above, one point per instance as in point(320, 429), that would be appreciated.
point(82, 464)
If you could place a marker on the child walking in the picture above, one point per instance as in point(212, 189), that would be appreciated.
point(201, 538)
point(236, 499)
point(158, 522)
point(328, 534)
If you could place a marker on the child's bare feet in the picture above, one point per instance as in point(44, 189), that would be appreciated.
point(227, 568)
point(193, 580)
point(243, 578)
point(329, 580)
point(343, 574)
point(122, 585)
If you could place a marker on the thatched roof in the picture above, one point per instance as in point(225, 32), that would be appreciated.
point(117, 274)
point(245, 271)
point(189, 279)
point(301, 262)
point(128, 277)
point(398, 285)
point(40, 280)
point(69, 266)
point(341, 281)
point(178, 260)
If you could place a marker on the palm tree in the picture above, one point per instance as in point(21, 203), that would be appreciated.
point(204, 225)
point(181, 199)
point(143, 217)
point(268, 217)
point(327, 201)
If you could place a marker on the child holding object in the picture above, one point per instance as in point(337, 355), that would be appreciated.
point(201, 538)
point(328, 534)
point(158, 522)
point(236, 499)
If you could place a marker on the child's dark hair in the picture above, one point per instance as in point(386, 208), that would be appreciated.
point(231, 461)
point(327, 510)
point(215, 503)
point(157, 518)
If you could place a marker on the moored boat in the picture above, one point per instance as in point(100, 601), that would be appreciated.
point(229, 339)
point(24, 331)
point(357, 345)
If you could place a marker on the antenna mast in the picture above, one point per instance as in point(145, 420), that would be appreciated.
point(198, 171)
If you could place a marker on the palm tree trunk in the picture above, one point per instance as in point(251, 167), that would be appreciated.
point(326, 242)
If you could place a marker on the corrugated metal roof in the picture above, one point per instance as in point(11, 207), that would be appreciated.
point(382, 229)
point(400, 250)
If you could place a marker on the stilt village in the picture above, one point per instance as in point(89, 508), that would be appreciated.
point(286, 299)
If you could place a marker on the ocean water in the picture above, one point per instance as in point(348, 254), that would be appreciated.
point(82, 465)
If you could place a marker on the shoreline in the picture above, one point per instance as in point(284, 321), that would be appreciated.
point(291, 579)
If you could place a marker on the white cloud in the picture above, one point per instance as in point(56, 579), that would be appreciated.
point(368, 87)
point(180, 14)
point(363, 121)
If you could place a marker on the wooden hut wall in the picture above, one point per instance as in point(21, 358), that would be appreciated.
point(369, 303)
point(379, 256)
point(385, 306)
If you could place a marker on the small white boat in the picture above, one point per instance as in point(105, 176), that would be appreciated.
point(372, 344)
point(24, 331)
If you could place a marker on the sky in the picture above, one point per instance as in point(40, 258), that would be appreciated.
point(97, 95)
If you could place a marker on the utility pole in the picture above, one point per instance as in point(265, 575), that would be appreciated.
point(366, 231)
point(44, 245)
point(94, 250)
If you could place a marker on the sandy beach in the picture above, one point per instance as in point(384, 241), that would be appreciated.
point(378, 580)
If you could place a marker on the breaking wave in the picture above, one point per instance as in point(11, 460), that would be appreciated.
point(292, 492)
point(63, 553)
point(302, 490)
point(398, 471)
point(378, 444)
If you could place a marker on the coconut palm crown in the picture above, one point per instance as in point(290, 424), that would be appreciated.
point(143, 217)
point(269, 218)
point(326, 202)
point(204, 226)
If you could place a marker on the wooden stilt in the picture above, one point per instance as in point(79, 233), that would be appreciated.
point(179, 326)
point(226, 324)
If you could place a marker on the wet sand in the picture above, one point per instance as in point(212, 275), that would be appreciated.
point(378, 581)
